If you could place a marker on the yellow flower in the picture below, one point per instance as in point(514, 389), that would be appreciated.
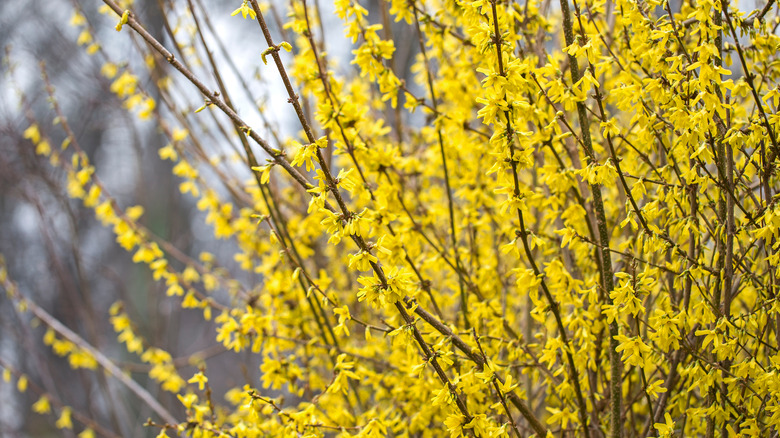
point(42, 406)
point(168, 153)
point(454, 423)
point(634, 350)
point(84, 38)
point(305, 154)
point(87, 433)
point(32, 133)
point(200, 379)
point(109, 70)
point(64, 422)
point(374, 429)
point(93, 196)
point(245, 10)
point(665, 429)
point(187, 400)
point(124, 85)
point(134, 212)
point(123, 20)
point(77, 20)
point(362, 261)
point(21, 384)
point(179, 134)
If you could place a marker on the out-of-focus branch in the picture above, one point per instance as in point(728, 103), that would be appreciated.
point(101, 359)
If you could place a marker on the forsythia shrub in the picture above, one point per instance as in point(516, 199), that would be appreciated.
point(567, 226)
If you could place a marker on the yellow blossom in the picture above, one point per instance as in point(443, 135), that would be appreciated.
point(245, 9)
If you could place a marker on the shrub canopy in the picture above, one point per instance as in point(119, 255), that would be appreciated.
point(561, 220)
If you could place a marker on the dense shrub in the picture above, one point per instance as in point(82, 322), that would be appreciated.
point(565, 222)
